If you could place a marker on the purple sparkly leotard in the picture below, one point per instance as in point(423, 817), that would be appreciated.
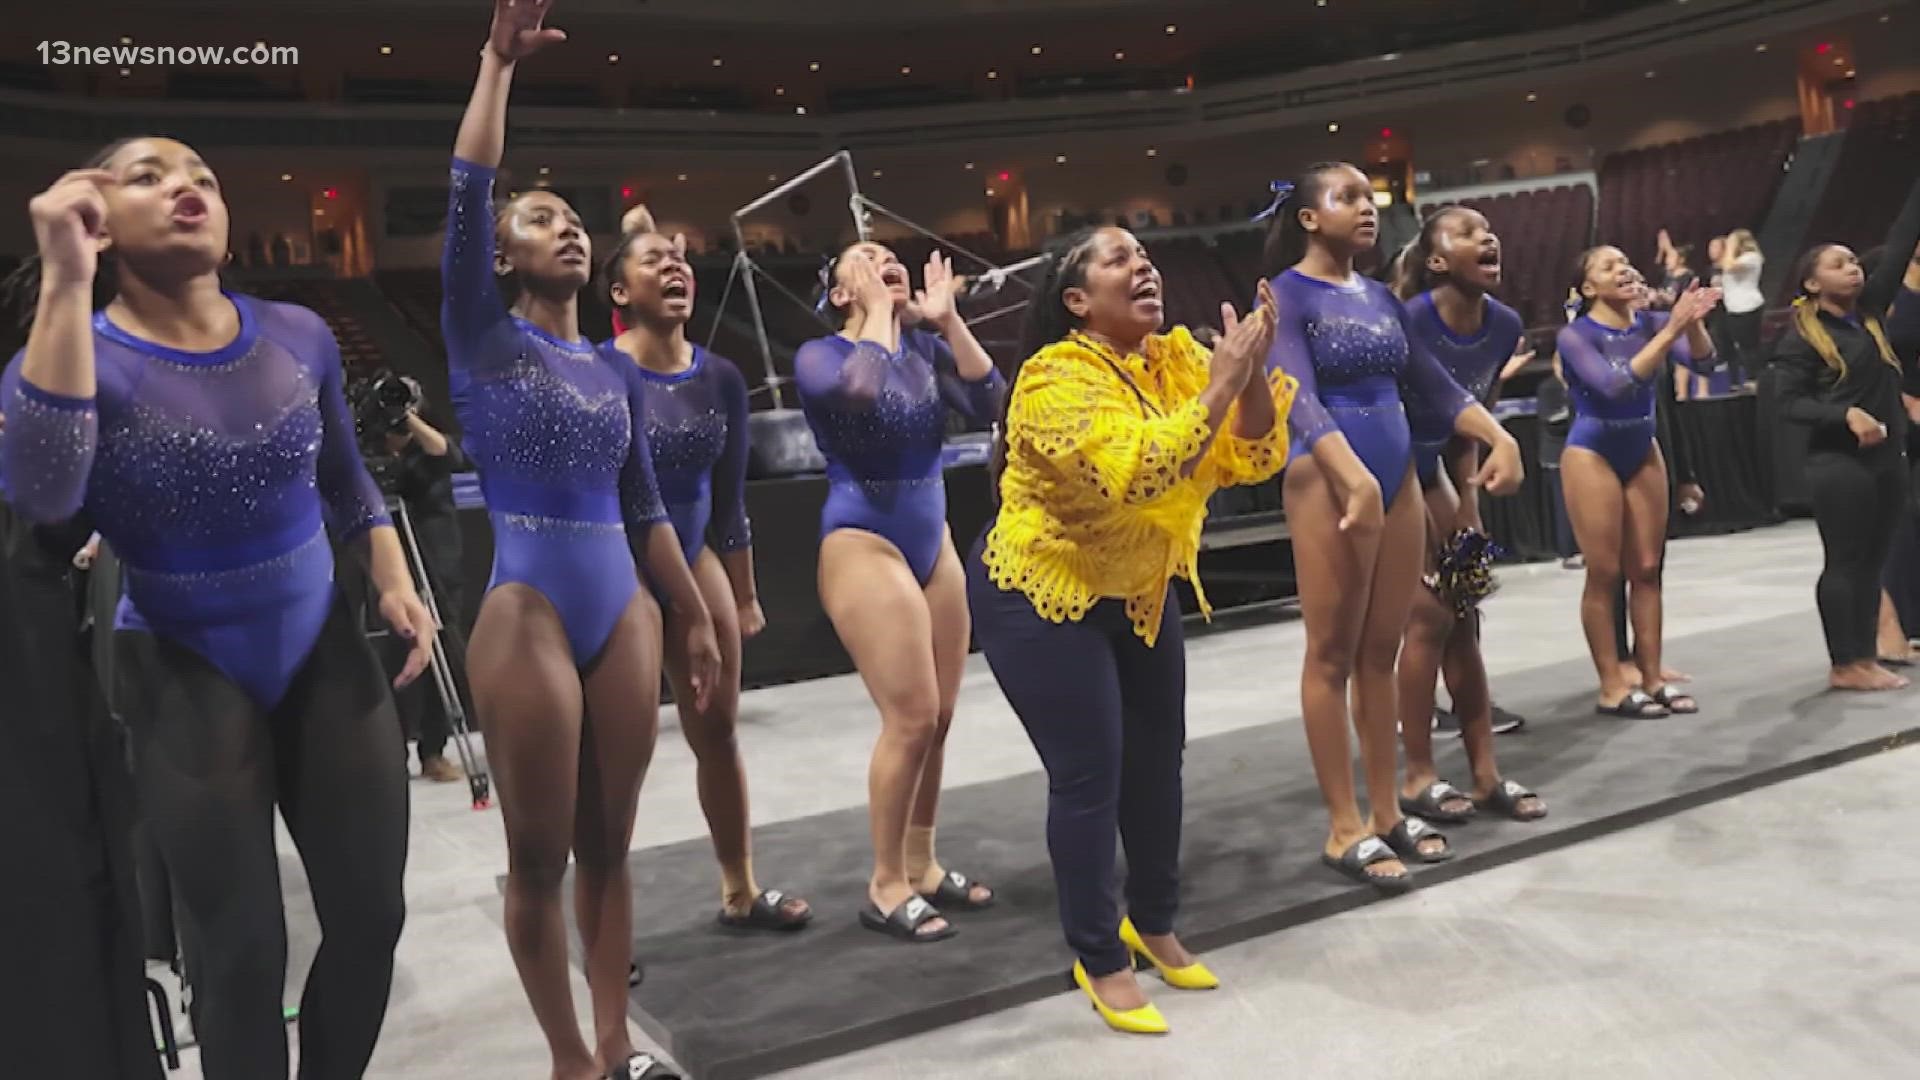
point(1472, 361)
point(551, 428)
point(1352, 350)
point(696, 423)
point(1612, 409)
point(216, 476)
point(879, 418)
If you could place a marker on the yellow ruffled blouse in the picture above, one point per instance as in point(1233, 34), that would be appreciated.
point(1092, 503)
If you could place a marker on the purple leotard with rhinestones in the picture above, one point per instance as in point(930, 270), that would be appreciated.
point(216, 476)
point(880, 420)
point(696, 422)
point(1351, 348)
point(1472, 361)
point(551, 428)
point(1612, 409)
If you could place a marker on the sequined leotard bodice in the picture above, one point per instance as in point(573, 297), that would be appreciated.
point(1612, 408)
point(1350, 349)
point(215, 476)
point(696, 423)
point(1472, 361)
point(880, 420)
point(550, 426)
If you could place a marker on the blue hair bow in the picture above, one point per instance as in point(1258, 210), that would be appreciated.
point(1282, 191)
point(826, 285)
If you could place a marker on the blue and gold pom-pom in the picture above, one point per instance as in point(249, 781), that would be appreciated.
point(1463, 570)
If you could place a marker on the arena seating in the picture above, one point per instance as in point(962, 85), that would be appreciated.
point(1696, 189)
point(358, 353)
point(1877, 166)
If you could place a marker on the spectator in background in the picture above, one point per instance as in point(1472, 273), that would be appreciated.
point(1900, 584)
point(1740, 265)
point(1676, 261)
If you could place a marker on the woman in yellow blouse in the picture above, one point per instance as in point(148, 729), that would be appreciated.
point(1115, 436)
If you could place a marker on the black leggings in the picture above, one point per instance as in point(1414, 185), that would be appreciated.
point(1108, 717)
point(1743, 333)
point(1857, 502)
point(209, 768)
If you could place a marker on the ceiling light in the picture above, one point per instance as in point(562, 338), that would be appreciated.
point(125, 40)
point(1839, 60)
point(1850, 73)
point(124, 72)
point(993, 74)
point(1649, 74)
point(319, 213)
point(1036, 50)
point(779, 91)
point(800, 110)
point(1533, 97)
point(1333, 127)
point(969, 166)
point(717, 61)
point(1119, 54)
point(682, 177)
point(1172, 29)
point(815, 66)
point(544, 170)
point(989, 193)
point(1323, 3)
point(772, 178)
point(1059, 159)
point(286, 176)
point(905, 70)
point(1152, 152)
point(1762, 47)
point(877, 174)
point(613, 58)
point(386, 50)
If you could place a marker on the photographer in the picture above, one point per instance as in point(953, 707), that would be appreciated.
point(421, 461)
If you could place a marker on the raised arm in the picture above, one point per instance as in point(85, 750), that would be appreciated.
point(470, 300)
point(966, 388)
point(48, 393)
point(1877, 297)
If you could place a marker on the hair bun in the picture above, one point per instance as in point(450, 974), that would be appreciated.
point(637, 220)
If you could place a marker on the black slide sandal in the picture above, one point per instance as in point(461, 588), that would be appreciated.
point(767, 913)
point(643, 1067)
point(1427, 804)
point(1353, 864)
point(1506, 798)
point(1635, 706)
point(1406, 837)
point(955, 893)
point(905, 921)
point(1674, 701)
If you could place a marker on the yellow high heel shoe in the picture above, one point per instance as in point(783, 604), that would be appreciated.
point(1194, 976)
point(1145, 1020)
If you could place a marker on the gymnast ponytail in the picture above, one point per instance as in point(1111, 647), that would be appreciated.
point(1287, 239)
point(1414, 277)
point(1047, 321)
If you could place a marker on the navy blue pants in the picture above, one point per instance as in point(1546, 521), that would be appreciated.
point(1108, 717)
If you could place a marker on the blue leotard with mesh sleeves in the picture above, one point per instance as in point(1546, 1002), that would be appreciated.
point(696, 423)
point(1472, 361)
point(1612, 408)
point(1351, 349)
point(216, 476)
point(880, 419)
point(552, 429)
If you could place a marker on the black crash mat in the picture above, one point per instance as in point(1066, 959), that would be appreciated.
point(727, 1006)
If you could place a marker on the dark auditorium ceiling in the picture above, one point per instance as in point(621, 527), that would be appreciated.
point(748, 55)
